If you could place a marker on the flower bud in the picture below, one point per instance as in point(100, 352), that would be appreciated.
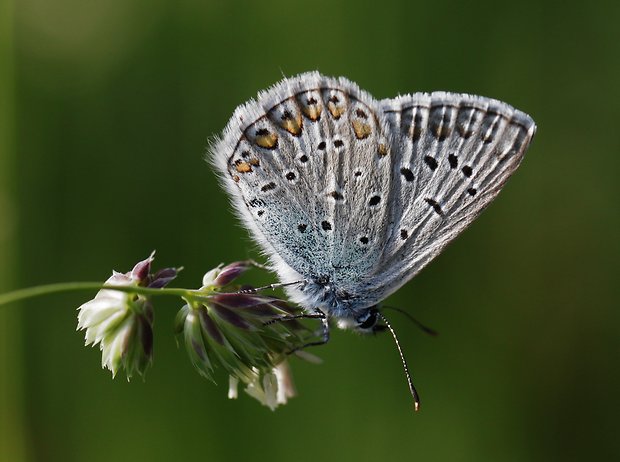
point(231, 272)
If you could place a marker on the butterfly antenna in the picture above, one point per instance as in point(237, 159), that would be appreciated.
point(414, 393)
point(421, 326)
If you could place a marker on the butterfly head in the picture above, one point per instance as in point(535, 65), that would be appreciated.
point(365, 321)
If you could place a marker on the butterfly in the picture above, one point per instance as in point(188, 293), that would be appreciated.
point(350, 197)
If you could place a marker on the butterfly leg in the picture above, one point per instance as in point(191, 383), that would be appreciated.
point(293, 317)
point(269, 287)
point(318, 314)
point(258, 265)
point(325, 323)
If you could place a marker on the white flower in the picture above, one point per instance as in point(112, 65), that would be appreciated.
point(122, 322)
point(103, 313)
point(271, 389)
point(233, 383)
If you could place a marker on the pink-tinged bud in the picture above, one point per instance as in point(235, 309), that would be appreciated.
point(163, 277)
point(141, 271)
point(229, 316)
point(231, 272)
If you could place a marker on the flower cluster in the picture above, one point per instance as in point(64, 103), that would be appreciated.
point(249, 335)
point(121, 322)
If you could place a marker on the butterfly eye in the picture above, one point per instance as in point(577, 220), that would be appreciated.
point(368, 320)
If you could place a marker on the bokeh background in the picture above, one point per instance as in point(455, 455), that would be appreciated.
point(105, 112)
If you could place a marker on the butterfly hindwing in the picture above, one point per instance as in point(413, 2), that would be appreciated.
point(453, 154)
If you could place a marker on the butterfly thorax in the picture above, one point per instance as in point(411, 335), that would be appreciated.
point(324, 294)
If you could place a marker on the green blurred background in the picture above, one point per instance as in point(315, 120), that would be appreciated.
point(105, 112)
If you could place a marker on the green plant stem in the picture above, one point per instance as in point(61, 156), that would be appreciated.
point(38, 291)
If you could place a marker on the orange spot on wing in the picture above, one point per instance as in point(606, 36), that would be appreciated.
point(243, 167)
point(362, 129)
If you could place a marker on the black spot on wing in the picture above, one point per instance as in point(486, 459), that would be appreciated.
point(431, 162)
point(433, 203)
